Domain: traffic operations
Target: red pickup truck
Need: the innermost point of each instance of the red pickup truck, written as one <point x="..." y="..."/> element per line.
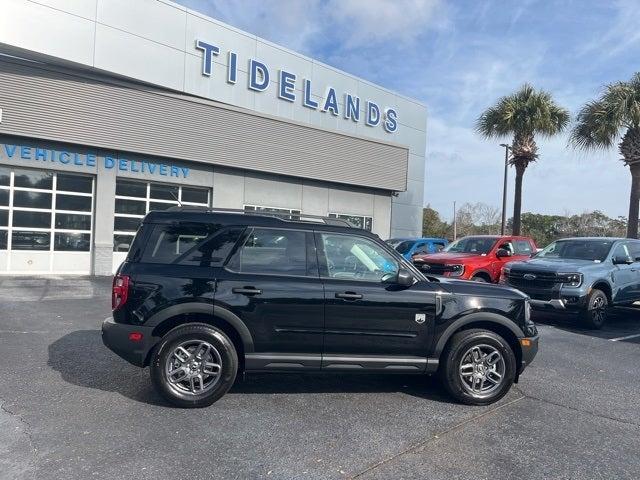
<point x="478" y="257"/>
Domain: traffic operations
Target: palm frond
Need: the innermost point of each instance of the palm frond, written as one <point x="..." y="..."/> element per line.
<point x="600" y="123"/>
<point x="525" y="112"/>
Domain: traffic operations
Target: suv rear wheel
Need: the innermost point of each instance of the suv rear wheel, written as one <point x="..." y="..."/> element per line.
<point x="194" y="365"/>
<point x="595" y="312"/>
<point x="478" y="367"/>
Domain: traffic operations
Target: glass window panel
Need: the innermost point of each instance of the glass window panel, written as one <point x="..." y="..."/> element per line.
<point x="5" y="176"/>
<point x="276" y="252"/>
<point x="33" y="179"/>
<point x="160" y="205"/>
<point x="25" y="240"/>
<point x="357" y="221"/>
<point x="132" y="207"/>
<point x="73" y="202"/>
<point x="72" y="242"/>
<point x="195" y="195"/>
<point x="172" y="243"/>
<point x="355" y="258"/>
<point x="74" y="183"/>
<point x="163" y="192"/>
<point x="31" y="199"/>
<point x="131" y="188"/>
<point x="70" y="221"/>
<point x="121" y="243"/>
<point x="31" y="219"/>
<point x="126" y="224"/>
<point x="4" y="218"/>
<point x="4" y="197"/>
<point x="3" y="239"/>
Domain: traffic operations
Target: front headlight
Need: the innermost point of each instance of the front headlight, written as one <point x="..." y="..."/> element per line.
<point x="570" y="279"/>
<point x="455" y="270"/>
<point x="530" y="329"/>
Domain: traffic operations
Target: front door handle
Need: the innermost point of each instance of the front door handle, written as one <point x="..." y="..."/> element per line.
<point x="349" y="295"/>
<point x="247" y="290"/>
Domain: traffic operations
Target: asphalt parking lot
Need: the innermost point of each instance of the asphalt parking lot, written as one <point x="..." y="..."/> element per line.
<point x="71" y="409"/>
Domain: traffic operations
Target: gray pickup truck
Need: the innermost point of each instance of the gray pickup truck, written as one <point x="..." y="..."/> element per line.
<point x="583" y="275"/>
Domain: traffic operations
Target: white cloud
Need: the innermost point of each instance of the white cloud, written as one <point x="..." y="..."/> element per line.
<point x="622" y="31"/>
<point x="297" y="24"/>
<point x="367" y="22"/>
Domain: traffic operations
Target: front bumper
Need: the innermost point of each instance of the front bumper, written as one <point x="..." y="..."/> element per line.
<point x="563" y="303"/>
<point x="115" y="336"/>
<point x="529" y="349"/>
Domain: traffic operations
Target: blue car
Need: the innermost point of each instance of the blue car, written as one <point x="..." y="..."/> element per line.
<point x="407" y="247"/>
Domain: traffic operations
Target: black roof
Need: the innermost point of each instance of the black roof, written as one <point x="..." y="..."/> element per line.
<point x="240" y="217"/>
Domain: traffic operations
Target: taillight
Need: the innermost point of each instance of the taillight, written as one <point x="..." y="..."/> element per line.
<point x="120" y="291"/>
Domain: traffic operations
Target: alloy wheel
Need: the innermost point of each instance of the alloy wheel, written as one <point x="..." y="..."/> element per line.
<point x="482" y="370"/>
<point x="194" y="367"/>
<point x="598" y="313"/>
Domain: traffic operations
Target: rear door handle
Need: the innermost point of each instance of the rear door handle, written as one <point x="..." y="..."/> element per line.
<point x="247" y="290"/>
<point x="349" y="295"/>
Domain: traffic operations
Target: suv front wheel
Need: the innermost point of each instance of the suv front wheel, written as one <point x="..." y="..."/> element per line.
<point x="194" y="365"/>
<point x="478" y="367"/>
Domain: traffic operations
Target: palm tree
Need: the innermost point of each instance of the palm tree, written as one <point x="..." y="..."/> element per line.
<point x="523" y="115"/>
<point x="600" y="123"/>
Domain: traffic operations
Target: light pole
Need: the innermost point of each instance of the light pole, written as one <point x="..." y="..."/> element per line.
<point x="504" y="188"/>
<point x="455" y="223"/>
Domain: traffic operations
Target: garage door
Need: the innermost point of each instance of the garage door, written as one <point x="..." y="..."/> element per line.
<point x="46" y="221"/>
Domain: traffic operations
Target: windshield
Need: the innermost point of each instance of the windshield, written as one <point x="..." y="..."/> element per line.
<point x="402" y="247"/>
<point x="594" y="250"/>
<point x="477" y="245"/>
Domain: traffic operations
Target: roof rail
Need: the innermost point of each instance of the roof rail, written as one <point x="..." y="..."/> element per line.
<point x="291" y="217"/>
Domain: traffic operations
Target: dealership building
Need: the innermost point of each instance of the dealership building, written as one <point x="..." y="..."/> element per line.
<point x="112" y="108"/>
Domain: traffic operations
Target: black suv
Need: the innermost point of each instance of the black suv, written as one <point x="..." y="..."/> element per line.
<point x="205" y="294"/>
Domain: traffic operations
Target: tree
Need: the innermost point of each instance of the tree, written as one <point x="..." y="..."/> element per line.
<point x="432" y="225"/>
<point x="522" y="115"/>
<point x="614" y="115"/>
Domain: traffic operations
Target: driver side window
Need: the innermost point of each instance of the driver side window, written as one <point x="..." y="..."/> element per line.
<point x="352" y="257"/>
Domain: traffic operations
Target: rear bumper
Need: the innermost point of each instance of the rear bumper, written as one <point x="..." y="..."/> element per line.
<point x="115" y="336"/>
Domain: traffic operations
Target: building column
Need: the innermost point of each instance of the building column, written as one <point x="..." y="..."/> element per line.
<point x="103" y="230"/>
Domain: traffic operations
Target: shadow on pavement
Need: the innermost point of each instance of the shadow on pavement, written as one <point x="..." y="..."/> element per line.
<point x="81" y="359"/>
<point x="622" y="322"/>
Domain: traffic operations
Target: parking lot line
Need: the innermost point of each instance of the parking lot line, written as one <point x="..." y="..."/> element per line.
<point x="635" y="335"/>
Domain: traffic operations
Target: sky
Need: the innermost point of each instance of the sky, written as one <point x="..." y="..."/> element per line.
<point x="458" y="58"/>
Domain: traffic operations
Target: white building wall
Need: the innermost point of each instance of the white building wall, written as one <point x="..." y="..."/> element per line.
<point x="154" y="41"/>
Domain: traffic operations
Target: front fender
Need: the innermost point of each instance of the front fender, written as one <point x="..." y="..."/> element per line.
<point x="479" y="317"/>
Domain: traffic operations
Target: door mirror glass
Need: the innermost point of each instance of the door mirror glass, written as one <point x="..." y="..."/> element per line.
<point x="622" y="260"/>
<point x="503" y="252"/>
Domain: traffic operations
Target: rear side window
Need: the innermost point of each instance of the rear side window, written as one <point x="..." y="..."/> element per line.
<point x="274" y="252"/>
<point x="523" y="247"/>
<point x="203" y="245"/>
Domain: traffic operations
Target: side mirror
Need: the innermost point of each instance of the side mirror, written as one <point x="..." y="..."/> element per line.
<point x="503" y="252"/>
<point x="620" y="260"/>
<point x="404" y="278"/>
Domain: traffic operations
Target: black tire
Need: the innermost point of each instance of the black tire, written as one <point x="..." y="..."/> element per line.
<point x="223" y="351"/>
<point x="594" y="315"/>
<point x="456" y="352"/>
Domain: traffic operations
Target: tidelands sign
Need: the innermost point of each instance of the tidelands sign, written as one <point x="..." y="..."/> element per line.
<point x="260" y="77"/>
